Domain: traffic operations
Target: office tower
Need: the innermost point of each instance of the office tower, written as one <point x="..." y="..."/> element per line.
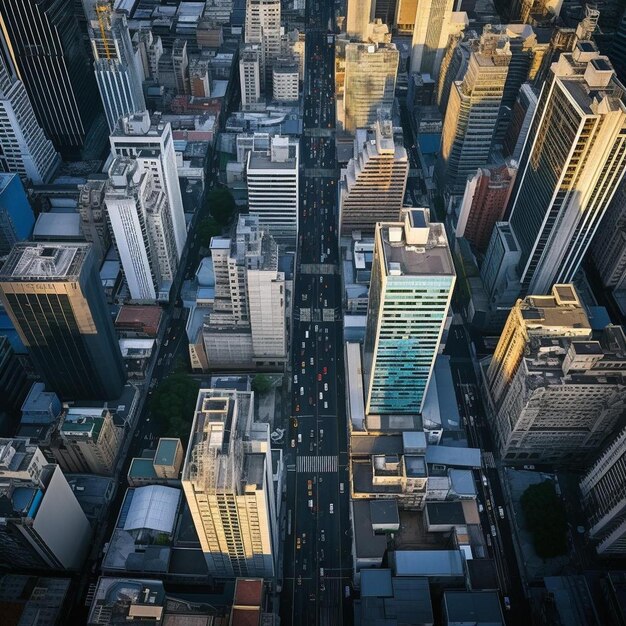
<point x="563" y="40"/>
<point x="24" y="148"/>
<point x="430" y="35"/>
<point x="14" y="383"/>
<point x="92" y="213"/>
<point x="499" y="272"/>
<point x="472" y="113"/>
<point x="263" y="28"/>
<point x="519" y="124"/>
<point x="153" y="139"/>
<point x="385" y="11"/>
<point x="410" y="292"/>
<point x="272" y="178"/>
<point x="484" y="201"/>
<point x="142" y="228"/>
<point x="89" y="441"/>
<point x="370" y="82"/>
<point x="16" y="215"/>
<point x="149" y="51"/>
<point x="250" y="75"/>
<point x="608" y="248"/>
<point x="199" y="77"/>
<point x="564" y="400"/>
<point x="180" y="65"/>
<point x="53" y="295"/>
<point x="44" y="43"/>
<point x="373" y="184"/>
<point x="43" y="526"/>
<point x="572" y="163"/>
<point x="285" y="80"/>
<point x="603" y="491"/>
<point x="246" y="326"/>
<point x="560" y="314"/>
<point x="404" y="20"/>
<point x="115" y="67"/>
<point x="617" y="50"/>
<point x="227" y="480"/>
<point x="536" y="10"/>
<point x="453" y="68"/>
<point x="358" y="16"/>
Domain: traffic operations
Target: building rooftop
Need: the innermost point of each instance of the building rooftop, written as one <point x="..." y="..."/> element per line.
<point x="415" y="247"/>
<point x="445" y="513"/>
<point x="31" y="262"/>
<point x="479" y="608"/>
<point x="439" y="563"/>
<point x="166" y="451"/>
<point x="453" y="456"/>
<point x="367" y="544"/>
<point x="58" y="226"/>
<point x="153" y="507"/>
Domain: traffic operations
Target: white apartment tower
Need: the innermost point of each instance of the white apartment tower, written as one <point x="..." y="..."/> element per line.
<point x="227" y="480"/>
<point x="573" y="161"/>
<point x="410" y="292"/>
<point x="472" y="112"/>
<point x="152" y="139"/>
<point x="250" y="75"/>
<point x="373" y="184"/>
<point x="430" y="35"/>
<point x="116" y="68"/>
<point x="370" y="82"/>
<point x="24" y="148"/>
<point x="142" y="229"/>
<point x="273" y="196"/>
<point x="263" y="27"/>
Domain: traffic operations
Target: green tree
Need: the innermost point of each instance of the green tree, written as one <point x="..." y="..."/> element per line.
<point x="545" y="517"/>
<point x="173" y="404"/>
<point x="206" y="229"/>
<point x="221" y="205"/>
<point x="261" y="384"/>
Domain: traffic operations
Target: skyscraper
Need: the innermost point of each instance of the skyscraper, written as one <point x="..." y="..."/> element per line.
<point x="370" y="82"/>
<point x="53" y="295"/>
<point x="571" y="165"/>
<point x="273" y="193"/>
<point x="250" y="75"/>
<point x="373" y="184"/>
<point x="472" y="112"/>
<point x="24" y="148"/>
<point x="227" y="480"/>
<point x="142" y="228"/>
<point x="152" y="139"/>
<point x="16" y="215"/>
<point x="263" y="27"/>
<point x="603" y="491"/>
<point x="411" y="288"/>
<point x="44" y="43"/>
<point x="430" y="35"/>
<point x="359" y="15"/>
<point x="558" y="315"/>
<point x="484" y="201"/>
<point x="117" y="73"/>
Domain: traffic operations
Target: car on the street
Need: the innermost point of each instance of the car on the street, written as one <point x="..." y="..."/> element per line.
<point x="501" y="512"/>
<point x="293" y="443"/>
<point x="332" y="508"/>
<point x="298" y="545"/>
<point x="493" y="530"/>
<point x="529" y="467"/>
<point x="507" y="603"/>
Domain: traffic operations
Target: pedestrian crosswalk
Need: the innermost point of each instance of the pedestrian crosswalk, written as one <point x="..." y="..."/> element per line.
<point x="489" y="460"/>
<point x="314" y="464"/>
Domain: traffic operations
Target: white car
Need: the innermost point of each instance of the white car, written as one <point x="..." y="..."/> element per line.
<point x="501" y="512"/>
<point x="325" y="386"/>
<point x="332" y="508"/>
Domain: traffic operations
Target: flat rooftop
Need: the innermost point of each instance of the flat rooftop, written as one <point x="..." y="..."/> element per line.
<point x="28" y="261"/>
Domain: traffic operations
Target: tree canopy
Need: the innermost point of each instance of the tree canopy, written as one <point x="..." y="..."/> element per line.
<point x="261" y="384"/>
<point x="545" y="517"/>
<point x="206" y="229"/>
<point x="221" y="205"/>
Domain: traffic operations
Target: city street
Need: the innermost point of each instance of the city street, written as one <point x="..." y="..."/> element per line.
<point x="317" y="561"/>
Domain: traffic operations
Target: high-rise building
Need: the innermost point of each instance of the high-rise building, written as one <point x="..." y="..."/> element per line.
<point x="558" y="315"/>
<point x="250" y="75"/>
<point x="617" y="51"/>
<point x="404" y="19"/>
<point x="373" y="184"/>
<point x="149" y="51"/>
<point x="484" y="201"/>
<point x="608" y="248"/>
<point x="564" y="400"/>
<point x="370" y="82"/>
<point x="430" y="35"/>
<point x="263" y="27"/>
<point x="115" y="66"/>
<point x="453" y="67"/>
<point x="519" y="123"/>
<point x="43" y="525"/>
<point x="54" y="297"/>
<point x="273" y="193"/>
<point x="16" y="215"/>
<point x="285" y="80"/>
<point x="227" y="480"/>
<point x="358" y="17"/>
<point x="246" y="325"/>
<point x="24" y="148"/>
<point x="93" y="214"/>
<point x="603" y="491"/>
<point x="14" y="383"/>
<point x="473" y="109"/>
<point x="152" y="138"/>
<point x="142" y="228"/>
<point x="410" y="291"/>
<point x="43" y="40"/>
<point x="571" y="165"/>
